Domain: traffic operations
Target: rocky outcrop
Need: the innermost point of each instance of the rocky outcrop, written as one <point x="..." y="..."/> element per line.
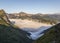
<point x="3" y="16"/>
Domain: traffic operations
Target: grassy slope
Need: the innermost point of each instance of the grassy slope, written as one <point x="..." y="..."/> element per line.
<point x="51" y="36"/>
<point x="10" y="34"/>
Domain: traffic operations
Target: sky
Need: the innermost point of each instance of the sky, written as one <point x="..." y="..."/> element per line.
<point x="30" y="6"/>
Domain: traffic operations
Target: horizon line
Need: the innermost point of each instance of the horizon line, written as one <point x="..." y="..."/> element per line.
<point x="28" y="12"/>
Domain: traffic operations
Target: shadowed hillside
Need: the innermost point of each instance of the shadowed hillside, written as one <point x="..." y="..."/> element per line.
<point x="52" y="35"/>
<point x="10" y="34"/>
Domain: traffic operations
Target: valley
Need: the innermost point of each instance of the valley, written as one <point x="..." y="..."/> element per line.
<point x="33" y="27"/>
<point x="28" y="29"/>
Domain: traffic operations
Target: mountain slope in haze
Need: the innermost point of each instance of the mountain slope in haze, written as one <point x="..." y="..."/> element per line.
<point x="53" y="16"/>
<point x="10" y="34"/>
<point x="52" y="35"/>
<point x="44" y="18"/>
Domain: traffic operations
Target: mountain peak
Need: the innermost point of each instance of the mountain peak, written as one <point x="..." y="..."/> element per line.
<point x="22" y="13"/>
<point x="2" y="12"/>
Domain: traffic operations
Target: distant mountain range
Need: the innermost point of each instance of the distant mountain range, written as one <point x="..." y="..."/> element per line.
<point x="45" y="18"/>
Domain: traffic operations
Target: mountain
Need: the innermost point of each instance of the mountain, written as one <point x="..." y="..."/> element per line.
<point x="11" y="34"/>
<point x="3" y="16"/>
<point x="51" y="35"/>
<point x="21" y="15"/>
<point x="44" y="18"/>
<point x="53" y="16"/>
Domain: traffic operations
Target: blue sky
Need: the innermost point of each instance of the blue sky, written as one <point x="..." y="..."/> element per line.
<point x="30" y="6"/>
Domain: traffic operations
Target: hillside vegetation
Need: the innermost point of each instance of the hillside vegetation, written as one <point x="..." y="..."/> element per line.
<point x="52" y="35"/>
<point x="10" y="34"/>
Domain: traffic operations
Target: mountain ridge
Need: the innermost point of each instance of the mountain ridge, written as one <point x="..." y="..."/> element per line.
<point x="51" y="19"/>
<point x="11" y="34"/>
<point x="51" y="35"/>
